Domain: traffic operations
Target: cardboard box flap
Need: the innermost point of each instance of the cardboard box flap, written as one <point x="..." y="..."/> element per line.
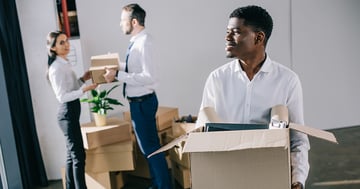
<point x="104" y="60"/>
<point x="170" y="144"/>
<point x="236" y="140"/>
<point x="103" y="67"/>
<point x="325" y="135"/>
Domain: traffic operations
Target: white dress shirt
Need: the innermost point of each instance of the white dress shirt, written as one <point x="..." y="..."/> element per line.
<point x="65" y="84"/>
<point x="236" y="99"/>
<point x="141" y="77"/>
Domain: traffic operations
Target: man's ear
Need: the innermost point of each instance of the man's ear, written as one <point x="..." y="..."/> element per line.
<point x="134" y="21"/>
<point x="260" y="37"/>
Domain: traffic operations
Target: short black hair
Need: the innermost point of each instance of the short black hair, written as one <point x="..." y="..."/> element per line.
<point x="256" y="17"/>
<point x="137" y="13"/>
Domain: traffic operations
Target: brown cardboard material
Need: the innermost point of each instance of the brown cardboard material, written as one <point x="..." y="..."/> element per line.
<point x="100" y="62"/>
<point x="229" y="159"/>
<point x="114" y="157"/>
<point x="178" y="156"/>
<point x="164" y="117"/>
<point x="116" y="130"/>
<point x="95" y="180"/>
<point x="142" y="167"/>
<point x="163" y="135"/>
<point x="179" y="128"/>
<point x="181" y="174"/>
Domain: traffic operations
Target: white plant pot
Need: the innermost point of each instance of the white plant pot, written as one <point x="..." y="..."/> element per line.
<point x="100" y="119"/>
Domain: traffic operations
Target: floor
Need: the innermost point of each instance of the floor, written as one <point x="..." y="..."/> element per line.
<point x="333" y="166"/>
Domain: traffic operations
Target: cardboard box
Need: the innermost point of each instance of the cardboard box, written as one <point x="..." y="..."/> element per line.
<point x="181" y="175"/>
<point x="178" y="156"/>
<point x="180" y="128"/>
<point x="114" y="157"/>
<point x="116" y="130"/>
<point x="106" y="180"/>
<point x="163" y="136"/>
<point x="247" y="158"/>
<point x="164" y="117"/>
<point x="118" y="181"/>
<point x="99" y="63"/>
<point x="142" y="167"/>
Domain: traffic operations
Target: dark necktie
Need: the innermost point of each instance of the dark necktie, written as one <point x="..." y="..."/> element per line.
<point x="126" y="64"/>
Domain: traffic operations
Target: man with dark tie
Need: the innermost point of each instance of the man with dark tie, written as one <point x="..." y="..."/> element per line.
<point x="139" y="78"/>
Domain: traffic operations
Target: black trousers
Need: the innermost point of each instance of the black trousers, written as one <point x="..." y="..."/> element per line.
<point x="68" y="119"/>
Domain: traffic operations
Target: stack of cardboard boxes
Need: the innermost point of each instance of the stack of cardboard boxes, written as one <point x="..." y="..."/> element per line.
<point x="164" y="119"/>
<point x="109" y="150"/>
<point x="180" y="162"/>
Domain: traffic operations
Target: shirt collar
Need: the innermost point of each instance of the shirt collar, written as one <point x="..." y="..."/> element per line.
<point x="61" y="60"/>
<point x="266" y="67"/>
<point x="141" y="33"/>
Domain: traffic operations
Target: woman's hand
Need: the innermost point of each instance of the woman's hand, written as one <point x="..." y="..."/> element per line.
<point x="86" y="76"/>
<point x="89" y="87"/>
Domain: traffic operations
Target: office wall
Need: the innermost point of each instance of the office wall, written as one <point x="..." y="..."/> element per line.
<point x="189" y="38"/>
<point x="190" y="43"/>
<point x="325" y="35"/>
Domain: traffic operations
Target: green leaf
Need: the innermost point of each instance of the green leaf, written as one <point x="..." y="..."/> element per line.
<point x="102" y="94"/>
<point x="94" y="93"/>
<point x="113" y="101"/>
<point x="84" y="100"/>
<point x="100" y="102"/>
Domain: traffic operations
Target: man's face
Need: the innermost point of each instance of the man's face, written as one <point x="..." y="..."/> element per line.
<point x="125" y="23"/>
<point x="240" y="39"/>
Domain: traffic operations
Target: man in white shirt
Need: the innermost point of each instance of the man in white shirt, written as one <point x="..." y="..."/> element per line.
<point x="139" y="77"/>
<point x="245" y="89"/>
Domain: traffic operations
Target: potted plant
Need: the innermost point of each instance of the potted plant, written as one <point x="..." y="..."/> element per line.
<point x="101" y="103"/>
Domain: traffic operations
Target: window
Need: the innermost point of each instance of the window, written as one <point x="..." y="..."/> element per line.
<point x="67" y="22"/>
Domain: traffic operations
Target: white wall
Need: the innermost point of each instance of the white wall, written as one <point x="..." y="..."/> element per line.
<point x="189" y="36"/>
<point x="326" y="42"/>
<point x="190" y="43"/>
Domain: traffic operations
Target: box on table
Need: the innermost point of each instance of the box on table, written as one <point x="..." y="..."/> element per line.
<point x="164" y="117"/>
<point x="113" y="157"/>
<point x="99" y="63"/>
<point x="229" y="159"/>
<point x="116" y="130"/>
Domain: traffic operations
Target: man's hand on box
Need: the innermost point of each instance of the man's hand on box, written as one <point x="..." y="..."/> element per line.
<point x="109" y="75"/>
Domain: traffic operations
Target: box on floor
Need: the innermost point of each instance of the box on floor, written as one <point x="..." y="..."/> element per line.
<point x="116" y="130"/>
<point x="105" y="180"/>
<point x="113" y="157"/>
<point x="181" y="174"/>
<point x="141" y="166"/>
